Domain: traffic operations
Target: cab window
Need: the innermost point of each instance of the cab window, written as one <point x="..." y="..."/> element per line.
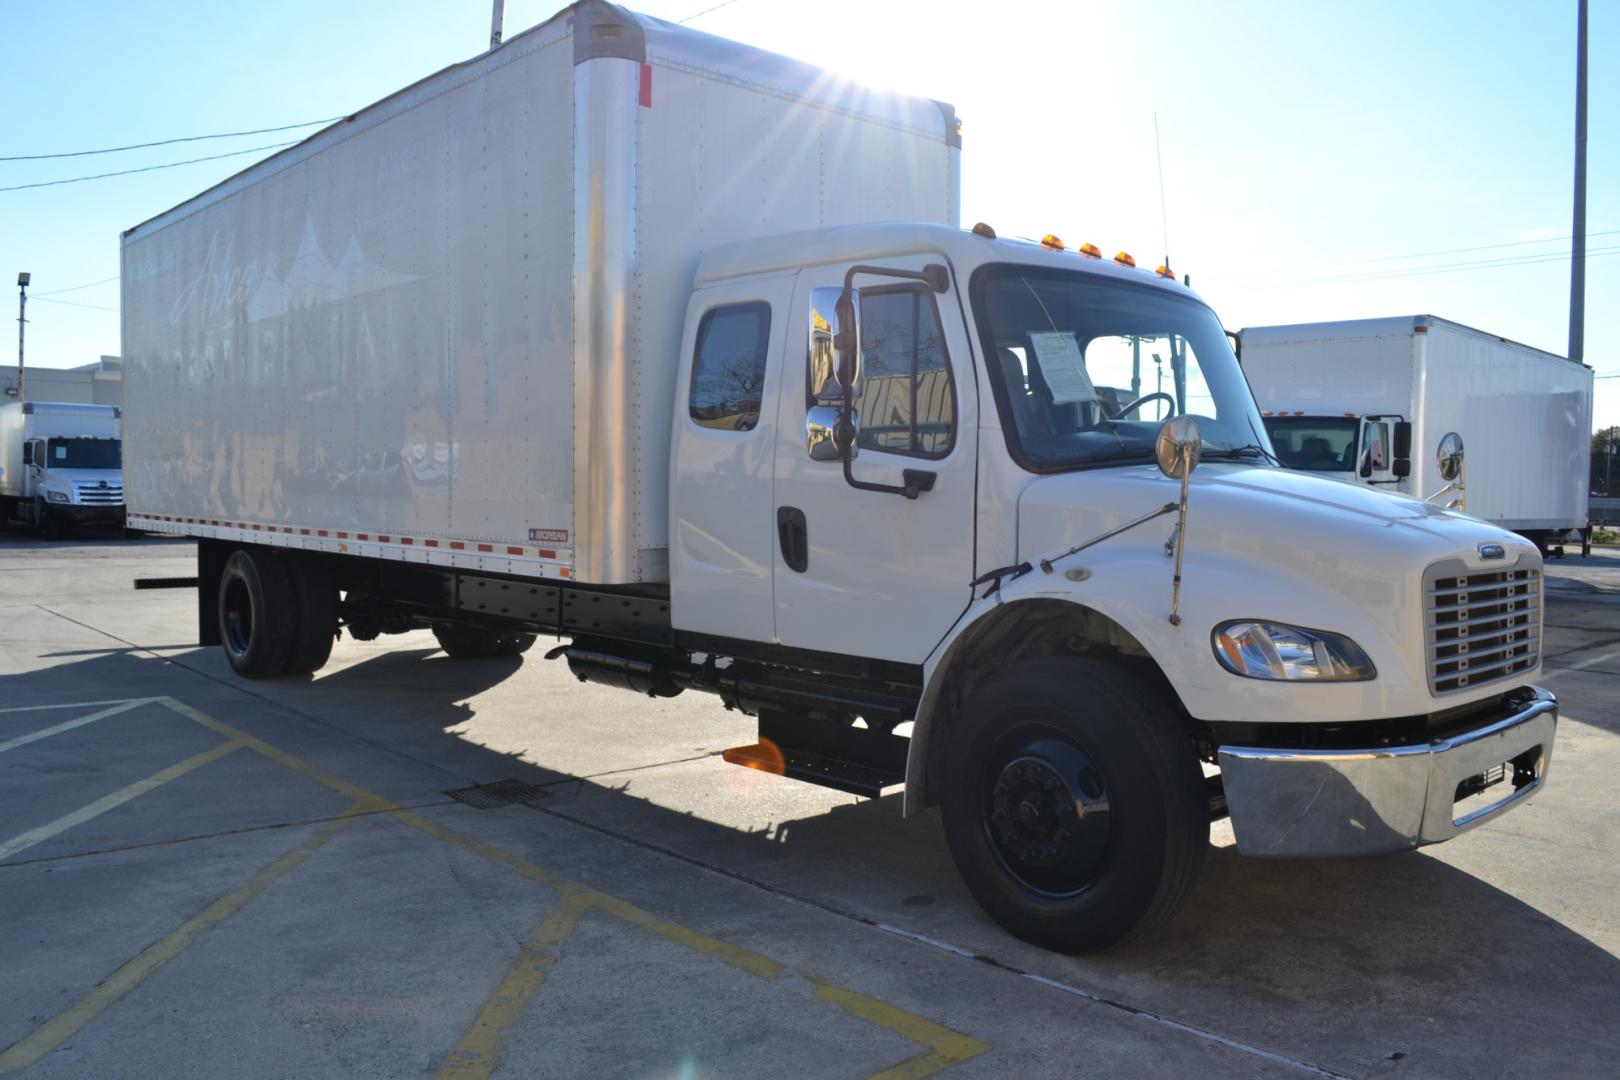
<point x="908" y="400"/>
<point x="728" y="371"/>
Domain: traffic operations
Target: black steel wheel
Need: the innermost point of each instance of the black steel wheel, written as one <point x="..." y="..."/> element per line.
<point x="257" y="613"/>
<point x="1047" y="811"/>
<point x="1074" y="804"/>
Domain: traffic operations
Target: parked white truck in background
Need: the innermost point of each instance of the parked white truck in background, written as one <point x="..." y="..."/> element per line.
<point x="61" y="465"/>
<point x="673" y="348"/>
<point x="1366" y="401"/>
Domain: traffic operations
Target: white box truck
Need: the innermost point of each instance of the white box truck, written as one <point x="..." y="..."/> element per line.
<point x="61" y="466"/>
<point x="1367" y="401"/>
<point x="606" y="334"/>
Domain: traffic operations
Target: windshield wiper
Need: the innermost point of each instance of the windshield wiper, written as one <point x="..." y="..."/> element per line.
<point x="1247" y="450"/>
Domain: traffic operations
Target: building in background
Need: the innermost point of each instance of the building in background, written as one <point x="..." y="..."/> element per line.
<point x="100" y="383"/>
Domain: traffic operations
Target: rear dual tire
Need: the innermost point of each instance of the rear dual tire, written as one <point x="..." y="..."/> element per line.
<point x="277" y="613"/>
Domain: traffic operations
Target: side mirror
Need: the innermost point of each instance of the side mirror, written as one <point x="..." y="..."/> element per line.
<point x="822" y="431"/>
<point x="1179" y="447"/>
<point x="829" y="361"/>
<point x="28" y="453"/>
<point x="1364" y="469"/>
<point x="1448" y="456"/>
<point x="847" y="342"/>
<point x="1402" y="465"/>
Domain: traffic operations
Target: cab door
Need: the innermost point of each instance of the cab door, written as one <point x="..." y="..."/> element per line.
<point x="723" y="450"/>
<point x="873" y="573"/>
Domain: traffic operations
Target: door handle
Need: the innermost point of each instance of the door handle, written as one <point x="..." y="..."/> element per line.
<point x="794" y="534"/>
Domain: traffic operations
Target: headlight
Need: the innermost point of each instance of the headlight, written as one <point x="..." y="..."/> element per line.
<point x="1259" y="650"/>
<point x="56" y="496"/>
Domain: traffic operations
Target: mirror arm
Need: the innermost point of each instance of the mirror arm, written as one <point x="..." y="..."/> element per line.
<point x="937" y="278"/>
<point x="1047" y="563"/>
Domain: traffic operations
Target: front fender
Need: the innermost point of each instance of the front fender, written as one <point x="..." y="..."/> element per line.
<point x="1129" y="584"/>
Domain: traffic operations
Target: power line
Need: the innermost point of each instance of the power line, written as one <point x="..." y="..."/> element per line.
<point x="1449" y="268"/>
<point x="150" y="168"/>
<point x="1418" y="255"/>
<point x="75" y="288"/>
<point x="705" y="11"/>
<point x="70" y="303"/>
<point x="169" y="142"/>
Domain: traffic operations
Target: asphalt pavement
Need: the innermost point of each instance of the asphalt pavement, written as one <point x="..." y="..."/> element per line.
<point x="415" y="866"/>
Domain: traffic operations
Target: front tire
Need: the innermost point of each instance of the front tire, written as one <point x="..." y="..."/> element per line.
<point x="1074" y="804"/>
<point x="258" y="614"/>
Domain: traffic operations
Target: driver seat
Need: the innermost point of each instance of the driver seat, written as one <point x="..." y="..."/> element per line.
<point x="1033" y="421"/>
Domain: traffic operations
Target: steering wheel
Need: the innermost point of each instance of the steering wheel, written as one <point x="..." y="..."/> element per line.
<point x="1143" y="400"/>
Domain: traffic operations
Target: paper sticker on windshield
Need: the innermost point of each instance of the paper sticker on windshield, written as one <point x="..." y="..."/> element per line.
<point x="1063" y="367"/>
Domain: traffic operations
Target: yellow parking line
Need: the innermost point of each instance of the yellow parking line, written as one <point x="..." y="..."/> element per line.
<point x="113" y="801"/>
<point x="946" y="1047"/>
<point x="69" y="725"/>
<point x="478" y="1052"/>
<point x="53" y="1033"/>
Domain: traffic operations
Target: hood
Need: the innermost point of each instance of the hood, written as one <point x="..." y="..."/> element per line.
<point x="1268" y="544"/>
<point x="1260" y="512"/>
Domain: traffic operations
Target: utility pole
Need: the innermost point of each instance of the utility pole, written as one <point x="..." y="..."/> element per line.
<point x="496" y="17"/>
<point x="1577" y="263"/>
<point x="22" y="322"/>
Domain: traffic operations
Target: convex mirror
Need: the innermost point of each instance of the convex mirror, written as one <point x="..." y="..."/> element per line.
<point x="1179" y="446"/>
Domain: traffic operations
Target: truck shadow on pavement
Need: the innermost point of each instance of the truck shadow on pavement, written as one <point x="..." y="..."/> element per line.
<point x="1352" y="964"/>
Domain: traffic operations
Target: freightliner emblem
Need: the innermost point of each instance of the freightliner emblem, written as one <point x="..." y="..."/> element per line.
<point x="1492" y="551"/>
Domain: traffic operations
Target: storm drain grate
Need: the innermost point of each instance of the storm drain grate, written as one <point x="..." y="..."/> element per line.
<point x="499" y="793"/>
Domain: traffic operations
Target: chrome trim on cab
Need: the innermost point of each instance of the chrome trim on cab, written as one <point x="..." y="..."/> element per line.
<point x="1328" y="803"/>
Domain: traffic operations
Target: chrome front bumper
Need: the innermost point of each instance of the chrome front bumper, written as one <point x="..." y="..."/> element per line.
<point x="1328" y="803"/>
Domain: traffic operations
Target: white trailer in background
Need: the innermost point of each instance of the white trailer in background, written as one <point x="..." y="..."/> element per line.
<point x="61" y="465"/>
<point x="1366" y="401"/>
<point x="603" y="334"/>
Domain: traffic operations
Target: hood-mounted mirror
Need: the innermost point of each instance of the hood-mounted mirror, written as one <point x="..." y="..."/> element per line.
<point x="1178" y="448"/>
<point x="1448" y="460"/>
<point x="1449" y="456"/>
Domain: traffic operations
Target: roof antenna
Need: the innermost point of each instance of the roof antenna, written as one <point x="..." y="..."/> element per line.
<point x="1164" y="219"/>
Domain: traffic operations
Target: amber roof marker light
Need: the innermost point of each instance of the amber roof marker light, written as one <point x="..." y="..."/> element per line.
<point x="1124" y="259"/>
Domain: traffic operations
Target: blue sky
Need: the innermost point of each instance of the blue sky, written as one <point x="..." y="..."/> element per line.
<point x="1308" y="147"/>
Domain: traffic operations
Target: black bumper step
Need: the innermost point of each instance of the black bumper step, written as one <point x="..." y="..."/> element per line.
<point x="828" y="772"/>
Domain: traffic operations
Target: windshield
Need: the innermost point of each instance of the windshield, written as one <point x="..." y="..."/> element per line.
<point x="1091" y="368"/>
<point x="1318" y="443"/>
<point x="84" y="454"/>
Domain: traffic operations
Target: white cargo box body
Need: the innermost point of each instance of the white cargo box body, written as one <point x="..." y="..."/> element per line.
<point x="446" y="329"/>
<point x="1525" y="415"/>
<point x="24" y="420"/>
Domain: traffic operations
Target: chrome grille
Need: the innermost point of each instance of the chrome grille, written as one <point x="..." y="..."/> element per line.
<point x="1481" y="626"/>
<point x="96" y="495"/>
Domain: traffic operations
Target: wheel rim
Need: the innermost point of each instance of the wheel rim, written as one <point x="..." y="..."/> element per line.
<point x="238" y="609"/>
<point x="1047" y="812"/>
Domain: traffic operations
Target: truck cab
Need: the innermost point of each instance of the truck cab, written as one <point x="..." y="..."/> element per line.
<point x="62" y="466"/>
<point x="931" y="461"/>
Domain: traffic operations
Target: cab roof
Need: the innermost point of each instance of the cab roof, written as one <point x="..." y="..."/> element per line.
<point x="895" y="239"/>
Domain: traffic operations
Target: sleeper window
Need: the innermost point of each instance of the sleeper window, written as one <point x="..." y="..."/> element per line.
<point x="907" y="403"/>
<point x="728" y="372"/>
